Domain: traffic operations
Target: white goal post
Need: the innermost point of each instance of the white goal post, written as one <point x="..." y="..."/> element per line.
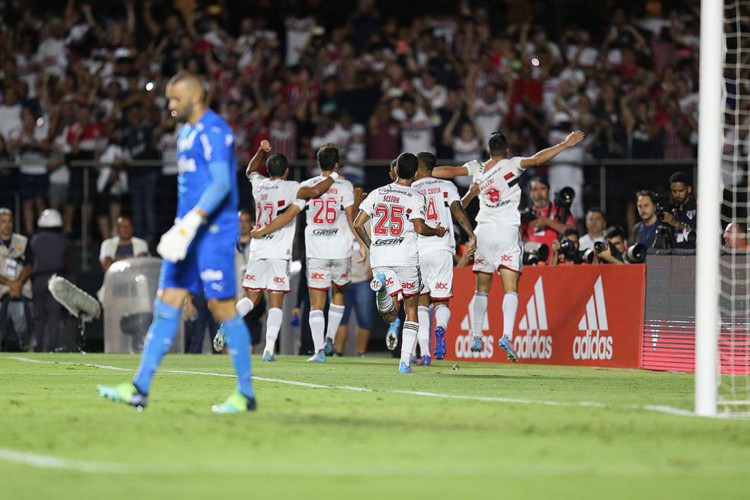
<point x="707" y="276"/>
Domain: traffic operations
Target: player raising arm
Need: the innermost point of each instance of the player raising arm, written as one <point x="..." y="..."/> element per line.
<point x="271" y="247"/>
<point x="499" y="247"/>
<point x="398" y="213"/>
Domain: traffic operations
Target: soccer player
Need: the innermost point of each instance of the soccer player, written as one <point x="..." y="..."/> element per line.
<point x="398" y="213"/>
<point x="436" y="254"/>
<point x="199" y="249"/>
<point x="277" y="203"/>
<point x="329" y="239"/>
<point x="499" y="247"/>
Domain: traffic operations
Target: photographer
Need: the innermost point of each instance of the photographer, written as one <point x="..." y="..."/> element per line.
<point x="683" y="213"/>
<point x="565" y="250"/>
<point x="650" y="232"/>
<point x="596" y="221"/>
<point x="544" y="221"/>
<point x="611" y="250"/>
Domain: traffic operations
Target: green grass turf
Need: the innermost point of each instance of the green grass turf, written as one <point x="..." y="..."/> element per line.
<point x="332" y="443"/>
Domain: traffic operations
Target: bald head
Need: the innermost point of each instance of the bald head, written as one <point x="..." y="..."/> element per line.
<point x="186" y="96"/>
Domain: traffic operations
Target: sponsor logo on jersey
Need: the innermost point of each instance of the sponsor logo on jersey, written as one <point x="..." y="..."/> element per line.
<point x="325" y="232"/>
<point x="506" y="258"/>
<point x="317" y="276"/>
<point x="186" y="165"/>
<point x="212" y="275"/>
<point x="533" y="344"/>
<point x="441" y="286"/>
<point x="250" y="277"/>
<point x="390" y="242"/>
<point x="592" y="344"/>
<point x="406" y="285"/>
<point x="389" y="282"/>
<point x="279" y="279"/>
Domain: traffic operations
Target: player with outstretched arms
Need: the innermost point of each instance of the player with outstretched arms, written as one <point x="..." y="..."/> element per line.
<point x="198" y="251"/>
<point x="277" y="203"/>
<point x="499" y="247"/>
<point x="436" y="254"/>
<point x="398" y="213"/>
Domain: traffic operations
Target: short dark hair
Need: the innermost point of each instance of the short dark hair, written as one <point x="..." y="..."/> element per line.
<point x="682" y="177"/>
<point x="650" y="194"/>
<point x="566" y="233"/>
<point x="497" y="144"/>
<point x="407" y="165"/>
<point x="277" y="165"/>
<point x="394" y="164"/>
<point x="597" y="210"/>
<point x="328" y="156"/>
<point x="540" y="180"/>
<point x="614" y="232"/>
<point x="187" y="75"/>
<point x="427" y="160"/>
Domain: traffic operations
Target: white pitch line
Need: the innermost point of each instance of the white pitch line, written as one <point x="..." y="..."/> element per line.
<point x="50" y="462"/>
<point x="490" y="399"/>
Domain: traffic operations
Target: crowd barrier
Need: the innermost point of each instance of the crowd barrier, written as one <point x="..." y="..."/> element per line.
<point x="588" y="315"/>
<point x="634" y="316"/>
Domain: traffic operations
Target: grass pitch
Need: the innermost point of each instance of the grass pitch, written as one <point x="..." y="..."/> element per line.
<point x="354" y="428"/>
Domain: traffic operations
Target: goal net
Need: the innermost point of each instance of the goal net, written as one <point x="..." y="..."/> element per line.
<point x="723" y="304"/>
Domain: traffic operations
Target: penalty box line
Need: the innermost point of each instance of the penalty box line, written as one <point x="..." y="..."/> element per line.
<point x="487" y="399"/>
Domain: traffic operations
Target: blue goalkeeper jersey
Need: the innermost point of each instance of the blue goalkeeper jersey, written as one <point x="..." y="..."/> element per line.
<point x="209" y="140"/>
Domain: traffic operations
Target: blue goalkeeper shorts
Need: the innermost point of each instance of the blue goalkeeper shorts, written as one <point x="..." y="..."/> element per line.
<point x="209" y="263"/>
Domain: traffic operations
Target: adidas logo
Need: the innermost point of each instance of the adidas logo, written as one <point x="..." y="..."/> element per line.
<point x="532" y="344"/>
<point x="463" y="342"/>
<point x="592" y="345"/>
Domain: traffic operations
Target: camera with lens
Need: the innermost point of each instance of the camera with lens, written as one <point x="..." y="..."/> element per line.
<point x="534" y="253"/>
<point x="528" y="215"/>
<point x="564" y="198"/>
<point x="599" y="246"/>
<point x="569" y="251"/>
<point x="634" y="254"/>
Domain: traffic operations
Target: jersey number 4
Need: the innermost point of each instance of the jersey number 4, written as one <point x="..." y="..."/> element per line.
<point x="326" y="211"/>
<point x="431" y="214"/>
<point x="390" y="220"/>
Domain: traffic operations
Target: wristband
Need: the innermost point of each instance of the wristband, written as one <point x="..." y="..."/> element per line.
<point x="334" y="176"/>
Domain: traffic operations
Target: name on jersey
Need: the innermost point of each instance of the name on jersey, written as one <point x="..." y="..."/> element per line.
<point x="387" y="243"/>
<point x="391" y="199"/>
<point x="435" y="190"/>
<point x="325" y="232"/>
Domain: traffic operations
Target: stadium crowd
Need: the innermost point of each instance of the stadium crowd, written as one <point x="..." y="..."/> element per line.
<point x="84" y="114"/>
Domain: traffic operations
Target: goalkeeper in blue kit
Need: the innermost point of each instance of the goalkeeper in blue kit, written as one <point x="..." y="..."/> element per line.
<point x="198" y="251"/>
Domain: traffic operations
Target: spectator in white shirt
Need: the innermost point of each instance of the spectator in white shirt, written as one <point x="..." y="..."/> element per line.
<point x="596" y="221"/>
<point x="123" y="246"/>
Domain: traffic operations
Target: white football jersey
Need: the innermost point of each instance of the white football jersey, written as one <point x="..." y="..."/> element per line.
<point x="499" y="192"/>
<point x="394" y="241"/>
<point x="272" y="198"/>
<point x="439" y="194"/>
<point x="327" y="235"/>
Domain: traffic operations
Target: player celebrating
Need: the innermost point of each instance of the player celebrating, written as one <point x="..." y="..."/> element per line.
<point x="436" y="254"/>
<point x="329" y="239"/>
<point x="199" y="249"/>
<point x="398" y="211"/>
<point x="499" y="246"/>
<point x="271" y="246"/>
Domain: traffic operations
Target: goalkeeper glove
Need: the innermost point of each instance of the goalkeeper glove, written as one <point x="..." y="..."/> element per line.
<point x="175" y="242"/>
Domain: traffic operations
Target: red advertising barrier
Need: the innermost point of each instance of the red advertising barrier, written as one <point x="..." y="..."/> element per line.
<point x="586" y="315"/>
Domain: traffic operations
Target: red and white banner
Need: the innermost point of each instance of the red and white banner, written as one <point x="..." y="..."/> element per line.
<point x="588" y="315"/>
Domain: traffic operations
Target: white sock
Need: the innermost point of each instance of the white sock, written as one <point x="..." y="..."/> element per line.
<point x="384" y="301"/>
<point x="423" y="336"/>
<point x="273" y="325"/>
<point x="335" y="313"/>
<point x="317" y="325"/>
<point x="408" y="339"/>
<point x="442" y="315"/>
<point x="480" y="309"/>
<point x="244" y="306"/>
<point x="510" y="306"/>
